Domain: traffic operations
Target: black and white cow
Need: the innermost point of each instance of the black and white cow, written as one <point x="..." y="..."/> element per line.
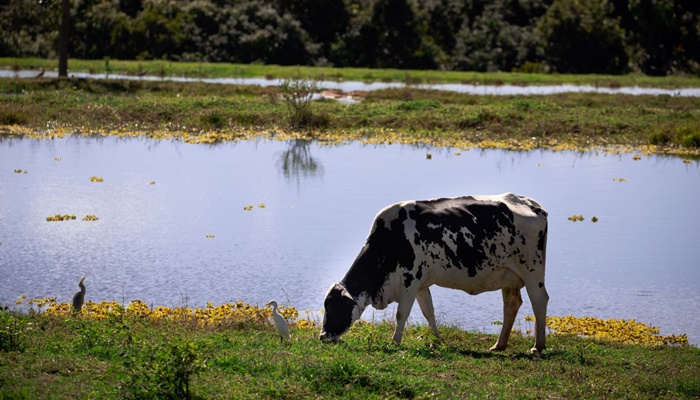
<point x="475" y="244"/>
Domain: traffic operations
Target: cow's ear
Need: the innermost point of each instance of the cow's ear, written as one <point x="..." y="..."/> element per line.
<point x="349" y="300"/>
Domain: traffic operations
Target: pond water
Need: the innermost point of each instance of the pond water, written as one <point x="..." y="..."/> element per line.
<point x="160" y="200"/>
<point x="350" y="86"/>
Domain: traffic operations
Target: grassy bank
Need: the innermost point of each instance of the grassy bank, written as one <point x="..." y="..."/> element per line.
<point x="225" y="70"/>
<point x="236" y="353"/>
<point x="200" y="112"/>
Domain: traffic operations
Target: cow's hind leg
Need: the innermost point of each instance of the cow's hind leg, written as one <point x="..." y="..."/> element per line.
<point x="511" y="304"/>
<point x="425" y="301"/>
<point x="539" y="298"/>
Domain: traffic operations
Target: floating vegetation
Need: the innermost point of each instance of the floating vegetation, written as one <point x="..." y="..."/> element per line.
<point x="261" y="205"/>
<point x="377" y="135"/>
<point x="152" y="182"/>
<point x="57" y="158"/>
<point x="223" y="315"/>
<point x="637" y="157"/>
<point x="210" y="236"/>
<point x="687" y="161"/>
<point x="90" y="217"/>
<point x="576" y="218"/>
<point x="20" y="171"/>
<point x="428" y="156"/>
<point x="618" y="330"/>
<point x="594" y="219"/>
<point x="620" y="179"/>
<point x="96" y="179"/>
<point x="59" y="217"/>
<point x="248" y="208"/>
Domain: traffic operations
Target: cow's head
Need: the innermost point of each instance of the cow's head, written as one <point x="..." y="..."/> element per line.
<point x="341" y="310"/>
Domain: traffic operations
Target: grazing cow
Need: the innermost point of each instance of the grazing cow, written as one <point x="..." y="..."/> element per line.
<point x="475" y="244"/>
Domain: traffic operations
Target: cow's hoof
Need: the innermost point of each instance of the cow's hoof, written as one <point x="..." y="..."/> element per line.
<point x="496" y="347"/>
<point x="535" y="350"/>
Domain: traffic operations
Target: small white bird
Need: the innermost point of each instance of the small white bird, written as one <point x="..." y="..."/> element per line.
<point x="280" y="322"/>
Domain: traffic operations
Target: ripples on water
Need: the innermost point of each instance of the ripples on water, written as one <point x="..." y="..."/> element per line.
<point x="639" y="261"/>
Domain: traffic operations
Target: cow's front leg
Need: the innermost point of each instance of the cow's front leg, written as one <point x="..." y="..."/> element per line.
<point x="402" y="312"/>
<point x="511" y="304"/>
<point x="425" y="301"/>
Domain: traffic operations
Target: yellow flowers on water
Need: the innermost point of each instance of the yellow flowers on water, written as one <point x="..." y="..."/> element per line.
<point x="620" y="179"/>
<point x="68" y="217"/>
<point x="617" y="330"/>
<point x="20" y="171"/>
<point x="637" y="157"/>
<point x="152" y="182"/>
<point x="428" y="156"/>
<point x="226" y="314"/>
<point x="594" y="219"/>
<point x="261" y="205"/>
<point x="96" y="179"/>
<point x="248" y="208"/>
<point x="575" y="218"/>
<point x="210" y="236"/>
<point x="57" y="158"/>
<point x="59" y="217"/>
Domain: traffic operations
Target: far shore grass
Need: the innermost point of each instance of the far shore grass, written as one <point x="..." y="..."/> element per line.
<point x="209" y="113"/>
<point x="226" y="70"/>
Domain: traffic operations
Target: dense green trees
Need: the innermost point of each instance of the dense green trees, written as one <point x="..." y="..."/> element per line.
<point x="656" y="37"/>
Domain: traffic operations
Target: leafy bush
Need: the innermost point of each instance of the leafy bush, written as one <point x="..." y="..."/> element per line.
<point x="594" y="41"/>
<point x="660" y="138"/>
<point x="297" y="94"/>
<point x="692" y="140"/>
<point x="11" y="338"/>
<point x="161" y="370"/>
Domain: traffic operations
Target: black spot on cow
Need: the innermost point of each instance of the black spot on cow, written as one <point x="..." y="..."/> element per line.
<point x="407" y="279"/>
<point x="386" y="249"/>
<point x="541" y="284"/>
<point x="483" y="220"/>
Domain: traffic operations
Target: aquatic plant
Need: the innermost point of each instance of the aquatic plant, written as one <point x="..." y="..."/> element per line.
<point x="59" y="217"/>
<point x="618" y="330"/>
<point x="221" y="315"/>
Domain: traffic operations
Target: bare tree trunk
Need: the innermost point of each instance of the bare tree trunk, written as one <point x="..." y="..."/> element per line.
<point x="63" y="39"/>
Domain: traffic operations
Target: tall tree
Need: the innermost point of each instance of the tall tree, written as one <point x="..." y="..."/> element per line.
<point x="581" y="37"/>
<point x="63" y="39"/>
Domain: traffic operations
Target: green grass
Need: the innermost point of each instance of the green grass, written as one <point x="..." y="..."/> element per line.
<point x="73" y="357"/>
<point x="224" y="70"/>
<point x="653" y="124"/>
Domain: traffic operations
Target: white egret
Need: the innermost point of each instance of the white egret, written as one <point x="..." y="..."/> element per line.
<point x="280" y="322"/>
<point x="79" y="297"/>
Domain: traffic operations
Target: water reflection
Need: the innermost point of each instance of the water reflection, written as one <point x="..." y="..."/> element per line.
<point x="150" y="243"/>
<point x="296" y="162"/>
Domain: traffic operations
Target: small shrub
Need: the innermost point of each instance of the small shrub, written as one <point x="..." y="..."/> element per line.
<point x="161" y="370"/>
<point x="10" y="117"/>
<point x="213" y="120"/>
<point x="297" y="94"/>
<point x="415" y="105"/>
<point x="11" y="338"/>
<point x="692" y="140"/>
<point x="660" y="138"/>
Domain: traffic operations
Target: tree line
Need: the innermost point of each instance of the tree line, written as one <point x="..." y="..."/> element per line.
<point x="655" y="37"/>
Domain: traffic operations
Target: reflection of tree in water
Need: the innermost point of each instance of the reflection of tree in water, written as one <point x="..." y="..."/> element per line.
<point x="297" y="161"/>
